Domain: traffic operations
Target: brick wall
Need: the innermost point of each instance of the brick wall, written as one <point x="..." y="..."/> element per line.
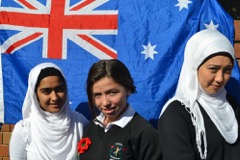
<point x="237" y="39"/>
<point x="5" y="132"/>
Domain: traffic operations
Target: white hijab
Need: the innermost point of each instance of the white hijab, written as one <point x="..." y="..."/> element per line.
<point x="53" y="136"/>
<point x="198" y="48"/>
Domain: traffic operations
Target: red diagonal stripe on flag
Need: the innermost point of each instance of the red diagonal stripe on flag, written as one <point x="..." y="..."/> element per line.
<point x="99" y="46"/>
<point x="28" y="5"/>
<point x="23" y="41"/>
<point x="82" y="5"/>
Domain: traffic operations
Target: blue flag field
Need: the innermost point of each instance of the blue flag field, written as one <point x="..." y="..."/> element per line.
<point x="148" y="36"/>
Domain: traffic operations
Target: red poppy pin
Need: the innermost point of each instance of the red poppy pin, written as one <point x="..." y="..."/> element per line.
<point x="83" y="145"/>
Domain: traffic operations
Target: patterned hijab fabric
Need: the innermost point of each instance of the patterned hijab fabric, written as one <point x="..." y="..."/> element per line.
<point x="53" y="135"/>
<point x="200" y="46"/>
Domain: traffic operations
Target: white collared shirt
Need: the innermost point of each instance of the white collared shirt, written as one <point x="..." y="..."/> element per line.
<point x="124" y="119"/>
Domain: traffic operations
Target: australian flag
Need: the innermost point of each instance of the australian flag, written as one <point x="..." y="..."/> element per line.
<point x="148" y="36"/>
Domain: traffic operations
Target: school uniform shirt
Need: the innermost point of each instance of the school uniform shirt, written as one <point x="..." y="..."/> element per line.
<point x="175" y="127"/>
<point x="129" y="138"/>
<point x="205" y="126"/>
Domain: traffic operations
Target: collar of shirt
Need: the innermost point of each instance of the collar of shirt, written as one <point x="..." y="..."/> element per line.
<point x="124" y="119"/>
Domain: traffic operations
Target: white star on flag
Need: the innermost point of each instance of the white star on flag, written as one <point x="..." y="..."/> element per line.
<point x="149" y="51"/>
<point x="183" y="4"/>
<point x="211" y="26"/>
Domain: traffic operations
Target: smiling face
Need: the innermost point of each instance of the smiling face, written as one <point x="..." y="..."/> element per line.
<point x="110" y="98"/>
<point x="51" y="93"/>
<point x="215" y="73"/>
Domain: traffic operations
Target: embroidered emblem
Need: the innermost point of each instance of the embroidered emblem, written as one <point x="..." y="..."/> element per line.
<point x="116" y="151"/>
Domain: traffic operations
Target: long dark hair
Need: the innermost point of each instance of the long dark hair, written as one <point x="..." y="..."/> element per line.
<point x="108" y="68"/>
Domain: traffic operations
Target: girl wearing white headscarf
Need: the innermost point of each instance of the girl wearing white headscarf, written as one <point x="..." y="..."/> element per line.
<point x="45" y="135"/>
<point x="196" y="123"/>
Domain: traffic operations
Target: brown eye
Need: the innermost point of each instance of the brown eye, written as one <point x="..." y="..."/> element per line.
<point x="228" y="70"/>
<point x="46" y="91"/>
<point x="96" y="95"/>
<point x="60" y="89"/>
<point x="214" y="69"/>
<point x="113" y="92"/>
